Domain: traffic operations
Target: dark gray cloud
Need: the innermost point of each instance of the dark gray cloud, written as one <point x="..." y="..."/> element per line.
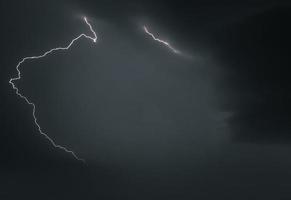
<point x="135" y="100"/>
<point x="256" y="61"/>
<point x="150" y="123"/>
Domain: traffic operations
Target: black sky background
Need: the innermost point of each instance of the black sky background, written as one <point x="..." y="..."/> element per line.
<point x="151" y="125"/>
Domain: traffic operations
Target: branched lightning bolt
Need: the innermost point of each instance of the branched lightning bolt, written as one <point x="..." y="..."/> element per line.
<point x="18" y="77"/>
<point x="167" y="44"/>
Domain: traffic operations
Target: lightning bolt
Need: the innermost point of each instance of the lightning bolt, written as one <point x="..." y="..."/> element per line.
<point x="18" y="77"/>
<point x="167" y="44"/>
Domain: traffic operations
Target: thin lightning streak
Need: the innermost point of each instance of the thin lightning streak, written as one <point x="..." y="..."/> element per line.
<point x="18" y="77"/>
<point x="167" y="44"/>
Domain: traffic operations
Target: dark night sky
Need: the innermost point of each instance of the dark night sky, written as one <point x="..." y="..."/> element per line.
<point x="151" y="124"/>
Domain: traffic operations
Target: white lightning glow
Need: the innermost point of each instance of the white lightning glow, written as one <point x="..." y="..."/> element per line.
<point x="18" y="77"/>
<point x="167" y="44"/>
